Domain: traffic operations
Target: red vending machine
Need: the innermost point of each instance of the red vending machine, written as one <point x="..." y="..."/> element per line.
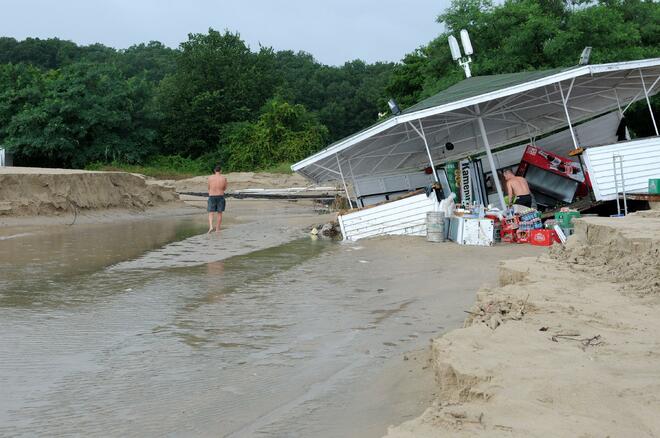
<point x="552" y="178"/>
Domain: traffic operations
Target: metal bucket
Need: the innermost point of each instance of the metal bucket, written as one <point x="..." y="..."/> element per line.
<point x="435" y="226"/>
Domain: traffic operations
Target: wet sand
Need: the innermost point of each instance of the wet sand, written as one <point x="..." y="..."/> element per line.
<point x="148" y="327"/>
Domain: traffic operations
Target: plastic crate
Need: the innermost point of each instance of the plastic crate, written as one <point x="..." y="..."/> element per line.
<point x="511" y="223"/>
<point x="654" y="186"/>
<point x="497" y="231"/>
<point x="565" y="218"/>
<point x="522" y="236"/>
<point x="508" y="236"/>
<point x="543" y="237"/>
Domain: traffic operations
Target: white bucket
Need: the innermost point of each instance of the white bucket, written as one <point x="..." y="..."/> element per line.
<point x="435" y="226"/>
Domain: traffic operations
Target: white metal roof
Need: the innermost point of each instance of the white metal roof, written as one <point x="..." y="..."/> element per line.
<point x="514" y="107"/>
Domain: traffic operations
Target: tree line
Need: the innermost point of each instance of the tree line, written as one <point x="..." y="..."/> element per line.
<point x="214" y="99"/>
<point x="520" y="35"/>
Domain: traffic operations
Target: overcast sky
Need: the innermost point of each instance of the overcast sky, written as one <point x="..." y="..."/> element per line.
<point x="334" y="31"/>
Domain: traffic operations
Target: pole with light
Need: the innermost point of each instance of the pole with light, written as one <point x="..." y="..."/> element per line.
<point x="464" y="61"/>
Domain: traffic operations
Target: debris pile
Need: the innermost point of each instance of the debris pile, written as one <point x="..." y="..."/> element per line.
<point x="330" y="230"/>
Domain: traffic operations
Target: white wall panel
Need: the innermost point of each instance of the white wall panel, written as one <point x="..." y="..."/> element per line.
<point x="401" y="217"/>
<point x="641" y="162"/>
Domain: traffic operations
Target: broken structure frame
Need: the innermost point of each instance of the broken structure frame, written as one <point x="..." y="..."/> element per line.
<point x="520" y="110"/>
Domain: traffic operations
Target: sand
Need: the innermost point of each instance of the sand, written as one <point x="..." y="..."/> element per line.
<point x="566" y="346"/>
<point x="37" y="191"/>
<point x="243" y="180"/>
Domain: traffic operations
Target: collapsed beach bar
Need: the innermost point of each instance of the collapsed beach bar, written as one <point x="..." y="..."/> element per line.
<point x="563" y="130"/>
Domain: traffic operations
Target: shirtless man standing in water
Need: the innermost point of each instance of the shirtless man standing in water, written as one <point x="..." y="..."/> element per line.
<point x="216" y="202"/>
<point x="517" y="186"/>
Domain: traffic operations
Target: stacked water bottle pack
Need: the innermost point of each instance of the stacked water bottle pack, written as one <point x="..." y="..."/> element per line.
<point x="530" y="220"/>
<point x="520" y="224"/>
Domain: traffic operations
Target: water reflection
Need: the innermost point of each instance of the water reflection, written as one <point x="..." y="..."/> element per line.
<point x="247" y="276"/>
<point x="86" y="347"/>
<point x="215" y="269"/>
<point x="64" y="265"/>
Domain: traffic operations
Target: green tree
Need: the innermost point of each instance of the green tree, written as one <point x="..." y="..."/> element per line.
<point x="611" y="29"/>
<point x="87" y="112"/>
<point x="283" y="133"/>
<point x="153" y="60"/>
<point x="218" y="80"/>
<point x="519" y="35"/>
<point x="51" y="53"/>
<point x="21" y="86"/>
<point x="346" y="98"/>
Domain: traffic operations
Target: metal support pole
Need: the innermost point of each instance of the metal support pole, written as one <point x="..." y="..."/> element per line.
<point x="618" y="158"/>
<point x="623" y="189"/>
<point x="618" y="102"/>
<point x="355" y="190"/>
<point x="420" y="132"/>
<point x="648" y="102"/>
<point x="489" y="154"/>
<point x="564" y="100"/>
<point x="616" y="186"/>
<point x="348" y="197"/>
<point x="621" y="116"/>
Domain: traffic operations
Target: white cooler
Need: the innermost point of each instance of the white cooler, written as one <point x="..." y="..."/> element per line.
<point x="471" y="231"/>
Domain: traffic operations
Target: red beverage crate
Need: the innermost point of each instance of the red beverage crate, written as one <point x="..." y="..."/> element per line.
<point x="543" y="237"/>
<point x="522" y="236"/>
<point x="508" y="236"/>
<point x="511" y="223"/>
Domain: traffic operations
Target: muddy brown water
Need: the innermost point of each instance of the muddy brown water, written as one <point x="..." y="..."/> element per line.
<point x="151" y="328"/>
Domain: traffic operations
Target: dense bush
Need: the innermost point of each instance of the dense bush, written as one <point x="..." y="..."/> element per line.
<point x="283" y="133"/>
<point x="80" y="113"/>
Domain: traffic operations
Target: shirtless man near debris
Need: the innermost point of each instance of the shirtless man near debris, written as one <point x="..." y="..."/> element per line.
<point x="517" y="186"/>
<point x="216" y="202"/>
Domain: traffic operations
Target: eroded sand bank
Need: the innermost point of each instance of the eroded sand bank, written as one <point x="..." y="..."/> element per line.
<point x="566" y="346"/>
<point x="36" y="191"/>
<point x="243" y="180"/>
